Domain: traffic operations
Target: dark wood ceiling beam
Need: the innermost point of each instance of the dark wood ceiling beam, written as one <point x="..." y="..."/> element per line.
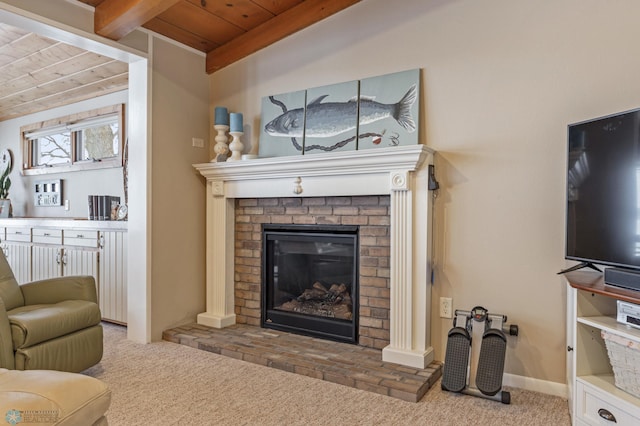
<point x="116" y="18"/>
<point x="295" y="19"/>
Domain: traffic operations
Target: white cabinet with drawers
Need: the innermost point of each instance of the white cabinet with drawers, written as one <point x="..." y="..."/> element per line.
<point x="591" y="309"/>
<point x="62" y="252"/>
<point x="49" y="249"/>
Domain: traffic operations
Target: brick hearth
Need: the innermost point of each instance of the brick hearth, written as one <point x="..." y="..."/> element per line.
<point x="359" y="366"/>
<point x="370" y="213"/>
<point x="350" y="365"/>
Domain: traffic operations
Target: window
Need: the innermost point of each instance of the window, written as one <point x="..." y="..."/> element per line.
<point x="84" y="141"/>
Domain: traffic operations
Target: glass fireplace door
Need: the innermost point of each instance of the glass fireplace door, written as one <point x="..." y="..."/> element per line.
<point x="310" y="280"/>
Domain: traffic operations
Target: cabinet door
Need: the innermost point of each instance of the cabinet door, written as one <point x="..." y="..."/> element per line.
<point x="113" y="276"/>
<point x="80" y="262"/>
<point x="19" y="258"/>
<point x="46" y="262"/>
<point x="52" y="262"/>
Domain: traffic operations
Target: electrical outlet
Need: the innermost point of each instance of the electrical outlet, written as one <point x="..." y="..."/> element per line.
<point x="446" y="307"/>
<point x="197" y="142"/>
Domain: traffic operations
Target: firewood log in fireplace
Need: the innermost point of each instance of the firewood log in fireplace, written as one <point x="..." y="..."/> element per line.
<point x="334" y="302"/>
<point x="319" y="292"/>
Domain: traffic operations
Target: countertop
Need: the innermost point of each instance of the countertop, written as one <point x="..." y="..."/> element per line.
<point x="65" y="223"/>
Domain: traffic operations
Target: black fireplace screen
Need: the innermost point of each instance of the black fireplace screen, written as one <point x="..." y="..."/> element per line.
<point x="310" y="276"/>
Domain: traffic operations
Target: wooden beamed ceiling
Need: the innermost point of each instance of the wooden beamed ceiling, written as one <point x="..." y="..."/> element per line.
<point x="226" y="30"/>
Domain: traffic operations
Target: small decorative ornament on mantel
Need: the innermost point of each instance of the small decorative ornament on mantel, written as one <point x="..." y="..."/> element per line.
<point x="6" y="165"/>
<point x="221" y="125"/>
<point x="236" y="146"/>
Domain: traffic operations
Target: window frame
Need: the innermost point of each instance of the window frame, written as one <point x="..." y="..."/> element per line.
<point x="29" y="169"/>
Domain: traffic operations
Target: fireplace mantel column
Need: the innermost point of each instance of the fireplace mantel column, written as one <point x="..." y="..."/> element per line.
<point x="219" y="256"/>
<point x="409" y="284"/>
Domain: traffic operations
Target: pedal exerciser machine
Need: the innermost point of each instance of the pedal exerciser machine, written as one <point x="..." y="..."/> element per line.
<point x="474" y="359"/>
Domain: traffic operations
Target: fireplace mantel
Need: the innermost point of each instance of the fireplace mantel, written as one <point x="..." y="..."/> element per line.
<point x="334" y="164"/>
<point x="400" y="172"/>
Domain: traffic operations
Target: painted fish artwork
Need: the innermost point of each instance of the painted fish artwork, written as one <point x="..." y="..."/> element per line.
<point x="326" y="119"/>
<point x="289" y="110"/>
<point x="331" y="119"/>
<point x="371" y="113"/>
<point x="389" y="110"/>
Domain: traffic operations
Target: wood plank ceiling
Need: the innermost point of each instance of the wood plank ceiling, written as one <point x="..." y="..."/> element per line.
<point x="37" y="73"/>
<point x="227" y="30"/>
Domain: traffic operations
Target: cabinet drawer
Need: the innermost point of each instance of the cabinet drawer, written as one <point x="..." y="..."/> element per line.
<point x="592" y="402"/>
<point x="81" y="238"/>
<point x="47" y="236"/>
<point x="18" y="234"/>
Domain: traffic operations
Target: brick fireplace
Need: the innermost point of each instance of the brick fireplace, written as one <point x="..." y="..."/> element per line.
<point x="369" y="213"/>
<point x="384" y="191"/>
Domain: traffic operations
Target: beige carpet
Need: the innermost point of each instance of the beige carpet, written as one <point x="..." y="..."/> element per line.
<point x="169" y="384"/>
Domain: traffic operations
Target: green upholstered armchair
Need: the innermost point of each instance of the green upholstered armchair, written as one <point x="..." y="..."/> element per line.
<point x="50" y="324"/>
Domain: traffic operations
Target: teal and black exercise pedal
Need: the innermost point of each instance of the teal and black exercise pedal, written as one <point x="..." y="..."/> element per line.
<point x="476" y="349"/>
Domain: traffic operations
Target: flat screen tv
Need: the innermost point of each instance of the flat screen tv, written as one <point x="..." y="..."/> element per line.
<point x="603" y="191"/>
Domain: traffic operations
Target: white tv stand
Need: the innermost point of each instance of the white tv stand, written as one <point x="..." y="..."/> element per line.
<point x="591" y="307"/>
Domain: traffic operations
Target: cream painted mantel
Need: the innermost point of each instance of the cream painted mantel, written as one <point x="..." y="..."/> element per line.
<point x="400" y="172"/>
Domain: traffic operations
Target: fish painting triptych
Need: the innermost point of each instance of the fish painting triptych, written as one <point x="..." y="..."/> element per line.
<point x="370" y="113"/>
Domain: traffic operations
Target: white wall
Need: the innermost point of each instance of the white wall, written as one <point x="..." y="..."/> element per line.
<point x="501" y="81"/>
<point x="76" y="185"/>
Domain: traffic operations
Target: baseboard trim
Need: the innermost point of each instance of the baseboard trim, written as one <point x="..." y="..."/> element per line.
<point x="536" y="385"/>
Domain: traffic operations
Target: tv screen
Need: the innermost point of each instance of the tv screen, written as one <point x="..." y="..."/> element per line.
<point x="603" y="191"/>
